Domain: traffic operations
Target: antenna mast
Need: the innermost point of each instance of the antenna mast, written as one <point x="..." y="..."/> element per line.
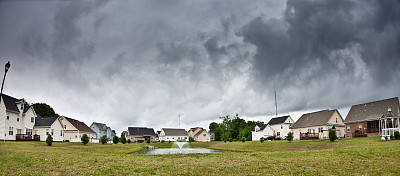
<point x="179" y="122"/>
<point x="276" y="105"/>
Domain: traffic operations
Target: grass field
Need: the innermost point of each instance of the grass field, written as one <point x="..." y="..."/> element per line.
<point x="361" y="156"/>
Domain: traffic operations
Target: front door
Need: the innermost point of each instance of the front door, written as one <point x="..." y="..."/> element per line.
<point x="19" y="131"/>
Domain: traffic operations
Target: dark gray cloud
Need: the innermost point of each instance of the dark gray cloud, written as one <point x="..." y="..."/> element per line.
<point x="140" y="63"/>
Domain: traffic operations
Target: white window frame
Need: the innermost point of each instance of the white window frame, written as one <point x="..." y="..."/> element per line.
<point x="47" y="132"/>
<point x="348" y="128"/>
<point x="10" y="130"/>
<point x="360" y="127"/>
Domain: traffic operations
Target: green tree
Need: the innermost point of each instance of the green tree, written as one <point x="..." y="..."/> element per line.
<point x="332" y="135"/>
<point x="129" y="141"/>
<point x="123" y="139"/>
<point x="85" y="139"/>
<point x="44" y="110"/>
<point x="148" y="140"/>
<point x="103" y="139"/>
<point x="261" y="139"/>
<point x="243" y="139"/>
<point x="191" y="139"/>
<point x="289" y="137"/>
<point x="49" y="140"/>
<point x="115" y="140"/>
<point x="397" y="135"/>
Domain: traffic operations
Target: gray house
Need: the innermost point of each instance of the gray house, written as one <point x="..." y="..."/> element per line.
<point x="102" y="129"/>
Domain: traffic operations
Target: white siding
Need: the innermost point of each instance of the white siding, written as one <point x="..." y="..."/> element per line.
<point x="268" y="131"/>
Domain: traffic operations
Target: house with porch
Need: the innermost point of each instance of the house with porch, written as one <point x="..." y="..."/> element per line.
<point x="17" y="119"/>
<point x="173" y="134"/>
<point x="277" y="127"/>
<point x="74" y="129"/>
<point x="316" y="125"/>
<point x="199" y="134"/>
<point x="141" y="134"/>
<point x="49" y="125"/>
<point x="363" y="120"/>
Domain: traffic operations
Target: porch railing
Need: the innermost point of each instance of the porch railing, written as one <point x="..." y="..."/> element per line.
<point x="27" y="137"/>
<point x="309" y="136"/>
<point x="359" y="133"/>
<point x="389" y="131"/>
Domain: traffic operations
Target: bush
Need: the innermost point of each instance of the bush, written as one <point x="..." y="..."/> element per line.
<point x="391" y="137"/>
<point x="169" y="141"/>
<point x="332" y="135"/>
<point x="123" y="140"/>
<point x="397" y="135"/>
<point x="115" y="140"/>
<point x="85" y="139"/>
<point x="103" y="139"/>
<point x="49" y="140"/>
<point x="243" y="139"/>
<point x="148" y="140"/>
<point x="191" y="139"/>
<point x="261" y="139"/>
<point x="129" y="141"/>
<point x="289" y="137"/>
<point x="230" y="139"/>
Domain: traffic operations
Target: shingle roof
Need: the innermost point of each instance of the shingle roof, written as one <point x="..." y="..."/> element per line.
<point x="314" y="118"/>
<point x="198" y="133"/>
<point x="262" y="127"/>
<point x="79" y="125"/>
<point x="45" y="121"/>
<point x="372" y="110"/>
<point x="11" y="103"/>
<point x="140" y="131"/>
<point x="174" y="132"/>
<point x="277" y="120"/>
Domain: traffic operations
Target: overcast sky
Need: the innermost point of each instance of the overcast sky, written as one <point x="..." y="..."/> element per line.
<point x="141" y="63"/>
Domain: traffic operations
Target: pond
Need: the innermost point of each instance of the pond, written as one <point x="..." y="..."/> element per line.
<point x="164" y="151"/>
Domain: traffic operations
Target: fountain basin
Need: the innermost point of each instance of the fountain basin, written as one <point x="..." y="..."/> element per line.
<point x="166" y="151"/>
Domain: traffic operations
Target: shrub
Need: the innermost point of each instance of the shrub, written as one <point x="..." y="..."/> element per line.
<point x="49" y="140"/>
<point x="397" y="135"/>
<point x="289" y="137"/>
<point x="85" y="139"/>
<point x="169" y="141"/>
<point x="391" y="137"/>
<point x="129" y="141"/>
<point x="261" y="139"/>
<point x="115" y="140"/>
<point x="332" y="135"/>
<point x="123" y="140"/>
<point x="386" y="138"/>
<point x="148" y="140"/>
<point x="243" y="139"/>
<point x="230" y="139"/>
<point x="191" y="139"/>
<point x="103" y="139"/>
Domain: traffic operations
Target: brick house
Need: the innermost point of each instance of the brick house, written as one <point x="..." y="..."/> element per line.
<point x="363" y="119"/>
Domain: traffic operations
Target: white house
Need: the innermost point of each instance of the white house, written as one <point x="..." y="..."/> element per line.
<point x="17" y="119"/>
<point x="49" y="125"/>
<point x="172" y="134"/>
<point x="74" y="129"/>
<point x="277" y="127"/>
<point x="316" y="125"/>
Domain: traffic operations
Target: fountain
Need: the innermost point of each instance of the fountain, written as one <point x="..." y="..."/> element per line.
<point x="176" y="148"/>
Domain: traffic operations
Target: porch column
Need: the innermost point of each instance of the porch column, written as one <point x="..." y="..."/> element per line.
<point x="379" y="123"/>
<point x="386" y="127"/>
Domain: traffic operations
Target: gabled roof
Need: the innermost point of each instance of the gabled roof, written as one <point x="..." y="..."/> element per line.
<point x="277" y="120"/>
<point x="372" y="110"/>
<point x="100" y="126"/>
<point x="174" y="132"/>
<point x="11" y="103"/>
<point x="389" y="114"/>
<point x="45" y="121"/>
<point x="314" y="118"/>
<point x="79" y="125"/>
<point x="140" y="131"/>
<point x="262" y="127"/>
<point x="201" y="131"/>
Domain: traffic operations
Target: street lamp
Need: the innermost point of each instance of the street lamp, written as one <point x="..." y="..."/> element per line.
<point x="7" y="66"/>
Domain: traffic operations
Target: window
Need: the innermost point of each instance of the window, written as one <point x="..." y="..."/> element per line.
<point x="204" y="134"/>
<point x="61" y="133"/>
<point x="22" y="106"/>
<point x="360" y="127"/>
<point x="47" y="131"/>
<point x="8" y="116"/>
<point x="65" y="126"/>
<point x="29" y="131"/>
<point x="281" y="126"/>
<point x="336" y="120"/>
<point x="278" y="133"/>
<point x="320" y="130"/>
<point x="10" y="131"/>
<point x="52" y="132"/>
<point x="76" y="136"/>
<point x="348" y="128"/>
<point x="308" y="130"/>
<point x="17" y="119"/>
<point x="32" y="119"/>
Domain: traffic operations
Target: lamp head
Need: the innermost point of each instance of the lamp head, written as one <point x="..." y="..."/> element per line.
<point x="7" y="66"/>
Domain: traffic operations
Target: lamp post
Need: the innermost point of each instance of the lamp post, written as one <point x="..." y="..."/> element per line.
<point x="7" y="66"/>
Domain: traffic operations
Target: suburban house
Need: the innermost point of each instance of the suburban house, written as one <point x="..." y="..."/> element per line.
<point x="277" y="127"/>
<point x="49" y="125"/>
<point x="101" y="129"/>
<point x="74" y="129"/>
<point x="173" y="134"/>
<point x="141" y="134"/>
<point x="199" y="134"/>
<point x="316" y="125"/>
<point x="17" y="119"/>
<point x="363" y="119"/>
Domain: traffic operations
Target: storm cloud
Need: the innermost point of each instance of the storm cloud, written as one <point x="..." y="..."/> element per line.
<point x="141" y="63"/>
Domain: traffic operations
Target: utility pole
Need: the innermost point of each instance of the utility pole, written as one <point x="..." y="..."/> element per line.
<point x="179" y="116"/>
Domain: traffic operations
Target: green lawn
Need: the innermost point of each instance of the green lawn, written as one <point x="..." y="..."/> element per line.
<point x="361" y="156"/>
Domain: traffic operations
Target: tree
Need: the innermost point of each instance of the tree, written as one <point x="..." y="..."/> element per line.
<point x="290" y="137"/>
<point x="243" y="139"/>
<point x="44" y="110"/>
<point x="397" y="135"/>
<point x="85" y="139"/>
<point x="261" y="139"/>
<point x="148" y="140"/>
<point x="191" y="139"/>
<point x="129" y="141"/>
<point x="115" y="139"/>
<point x="123" y="139"/>
<point x="332" y="135"/>
<point x="49" y="140"/>
<point x="103" y="139"/>
<point x="213" y="127"/>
